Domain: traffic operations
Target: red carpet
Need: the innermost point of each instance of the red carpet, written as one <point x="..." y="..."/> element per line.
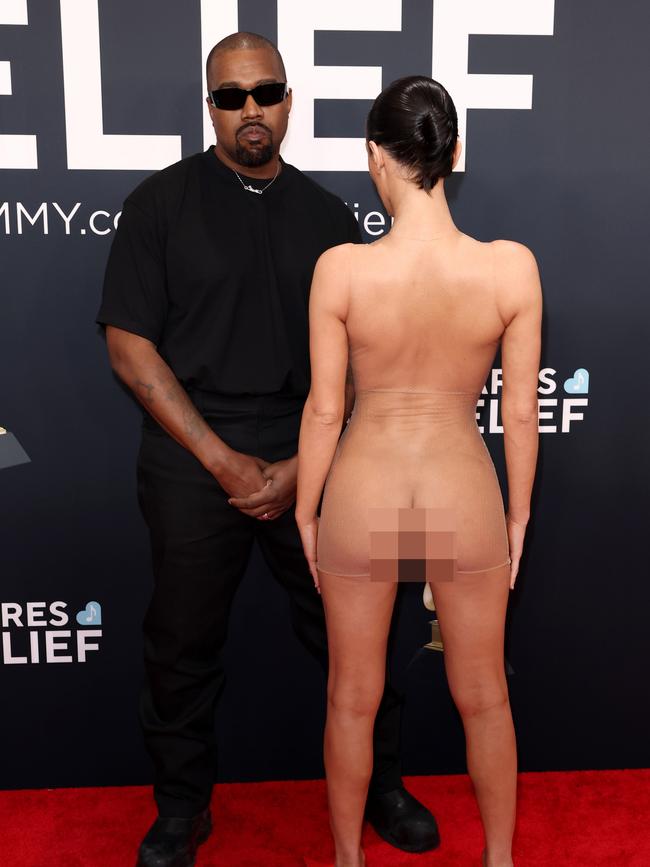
<point x="577" y="819"/>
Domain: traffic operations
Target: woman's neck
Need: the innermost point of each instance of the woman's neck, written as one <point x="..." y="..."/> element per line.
<point x="419" y="215"/>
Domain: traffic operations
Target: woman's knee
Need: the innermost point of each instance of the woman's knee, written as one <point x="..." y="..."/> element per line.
<point x="479" y="697"/>
<point x="355" y="699"/>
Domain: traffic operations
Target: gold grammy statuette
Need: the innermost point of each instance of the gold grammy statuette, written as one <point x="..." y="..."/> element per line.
<point x="436" y="638"/>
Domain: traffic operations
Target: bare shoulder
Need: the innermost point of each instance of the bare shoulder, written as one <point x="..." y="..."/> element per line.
<point x="513" y="259"/>
<point x="338" y="264"/>
<point x="331" y="282"/>
<point x="517" y="283"/>
<point x="335" y="258"/>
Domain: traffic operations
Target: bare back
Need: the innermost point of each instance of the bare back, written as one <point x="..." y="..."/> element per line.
<point x="423" y="315"/>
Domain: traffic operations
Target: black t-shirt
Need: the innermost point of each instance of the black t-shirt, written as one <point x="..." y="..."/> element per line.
<point x="218" y="278"/>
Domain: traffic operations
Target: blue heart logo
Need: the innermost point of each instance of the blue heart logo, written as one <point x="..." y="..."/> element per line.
<point x="578" y="383"/>
<point x="91" y="615"/>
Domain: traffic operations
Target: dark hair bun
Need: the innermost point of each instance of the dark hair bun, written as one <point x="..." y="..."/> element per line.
<point x="415" y="119"/>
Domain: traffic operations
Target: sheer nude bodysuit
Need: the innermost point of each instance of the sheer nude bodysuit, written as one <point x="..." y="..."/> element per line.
<point x="423" y="328"/>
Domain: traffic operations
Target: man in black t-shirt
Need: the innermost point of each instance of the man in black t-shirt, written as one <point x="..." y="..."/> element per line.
<point x="205" y="305"/>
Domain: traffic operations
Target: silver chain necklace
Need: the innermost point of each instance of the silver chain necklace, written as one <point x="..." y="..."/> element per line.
<point x="251" y="189"/>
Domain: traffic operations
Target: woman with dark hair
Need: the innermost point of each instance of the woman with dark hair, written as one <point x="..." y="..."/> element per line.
<point x="410" y="490"/>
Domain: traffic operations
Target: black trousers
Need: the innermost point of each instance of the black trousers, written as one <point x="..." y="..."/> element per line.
<point x="200" y="548"/>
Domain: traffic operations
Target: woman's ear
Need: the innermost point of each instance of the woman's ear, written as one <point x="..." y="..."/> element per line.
<point x="376" y="155"/>
<point x="457" y="152"/>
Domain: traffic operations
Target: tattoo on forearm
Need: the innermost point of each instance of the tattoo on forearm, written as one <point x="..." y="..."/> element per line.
<point x="193" y="423"/>
<point x="194" y="426"/>
<point x="144" y="390"/>
<point x="172" y="390"/>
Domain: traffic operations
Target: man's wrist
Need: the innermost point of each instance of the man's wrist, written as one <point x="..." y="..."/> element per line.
<point x="213" y="453"/>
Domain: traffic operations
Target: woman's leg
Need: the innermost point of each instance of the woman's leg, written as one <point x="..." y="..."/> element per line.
<point x="358" y="615"/>
<point x="471" y="611"/>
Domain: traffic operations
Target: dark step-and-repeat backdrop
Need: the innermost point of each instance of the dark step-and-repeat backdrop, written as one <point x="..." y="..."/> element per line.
<point x="94" y="96"/>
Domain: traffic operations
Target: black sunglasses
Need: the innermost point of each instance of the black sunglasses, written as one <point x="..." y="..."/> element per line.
<point x="231" y="98"/>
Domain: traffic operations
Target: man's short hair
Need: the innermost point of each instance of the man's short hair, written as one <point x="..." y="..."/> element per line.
<point x="242" y="40"/>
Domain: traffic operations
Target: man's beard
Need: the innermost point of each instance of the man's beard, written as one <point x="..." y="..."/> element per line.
<point x="253" y="157"/>
<point x="257" y="155"/>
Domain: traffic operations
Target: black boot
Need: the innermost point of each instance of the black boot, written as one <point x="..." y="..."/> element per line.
<point x="401" y="820"/>
<point x="173" y="842"/>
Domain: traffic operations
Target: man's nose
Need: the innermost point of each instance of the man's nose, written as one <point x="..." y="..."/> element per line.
<point x="251" y="108"/>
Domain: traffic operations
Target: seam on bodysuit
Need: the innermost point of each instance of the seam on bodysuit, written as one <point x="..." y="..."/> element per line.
<point x="459" y="572"/>
<point x="411" y="391"/>
<point x="344" y="574"/>
<point x="489" y="569"/>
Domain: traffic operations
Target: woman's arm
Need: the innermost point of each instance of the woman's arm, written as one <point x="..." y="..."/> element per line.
<point x="323" y="413"/>
<point x="324" y="408"/>
<point x="520" y="303"/>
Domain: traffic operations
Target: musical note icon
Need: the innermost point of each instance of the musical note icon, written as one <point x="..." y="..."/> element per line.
<point x="578" y="383"/>
<point x="91" y="614"/>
